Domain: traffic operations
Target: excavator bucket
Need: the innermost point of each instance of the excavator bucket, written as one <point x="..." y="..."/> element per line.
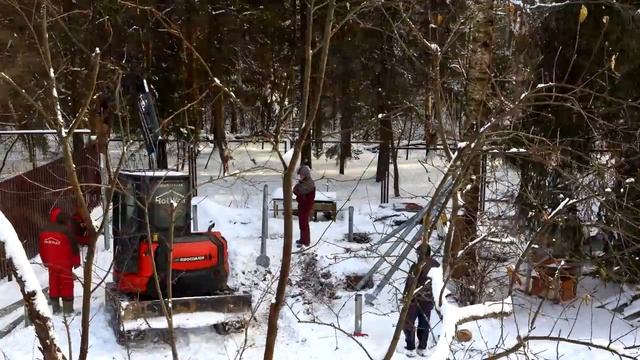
<point x="138" y="320"/>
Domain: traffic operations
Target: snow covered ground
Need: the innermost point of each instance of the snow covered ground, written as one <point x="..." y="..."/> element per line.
<point x="307" y="323"/>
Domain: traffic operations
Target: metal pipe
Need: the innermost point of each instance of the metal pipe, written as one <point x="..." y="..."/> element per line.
<point x="384" y="188"/>
<point x="435" y="209"/>
<point x="265" y="215"/>
<point x="382" y="259"/>
<point x="370" y="297"/>
<point x="263" y="260"/>
<point x="358" y="318"/>
<point x="397" y="229"/>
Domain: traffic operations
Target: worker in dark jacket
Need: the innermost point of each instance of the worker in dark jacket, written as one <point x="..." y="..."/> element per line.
<point x="60" y="254"/>
<point x="79" y="229"/>
<point x="305" y="191"/>
<point x="421" y="303"/>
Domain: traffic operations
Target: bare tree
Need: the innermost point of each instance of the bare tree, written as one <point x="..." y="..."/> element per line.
<point x="307" y="121"/>
<point x="54" y="119"/>
<point x="465" y="217"/>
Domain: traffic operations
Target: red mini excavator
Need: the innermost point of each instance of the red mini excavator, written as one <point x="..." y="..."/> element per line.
<point x="156" y="253"/>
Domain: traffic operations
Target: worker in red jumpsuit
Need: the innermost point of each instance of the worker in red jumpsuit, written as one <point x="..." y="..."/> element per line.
<point x="60" y="254"/>
<point x="305" y="191"/>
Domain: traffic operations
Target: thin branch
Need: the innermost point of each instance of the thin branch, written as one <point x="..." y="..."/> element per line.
<point x="93" y="78"/>
<point x="24" y="94"/>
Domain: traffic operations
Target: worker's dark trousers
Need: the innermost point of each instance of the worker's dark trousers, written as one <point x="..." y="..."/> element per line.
<point x="422" y="314"/>
<point x="303" y="221"/>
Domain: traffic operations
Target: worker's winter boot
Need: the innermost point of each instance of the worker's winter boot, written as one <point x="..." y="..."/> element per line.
<point x="410" y="353"/>
<point x="55" y="305"/>
<point x="67" y="306"/>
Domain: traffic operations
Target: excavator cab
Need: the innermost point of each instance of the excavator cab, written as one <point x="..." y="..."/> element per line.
<point x="152" y="223"/>
<point x="155" y="249"/>
<point x="152" y="230"/>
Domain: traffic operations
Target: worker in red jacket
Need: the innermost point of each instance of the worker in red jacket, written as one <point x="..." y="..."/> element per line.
<point x="305" y="191"/>
<point x="60" y="254"/>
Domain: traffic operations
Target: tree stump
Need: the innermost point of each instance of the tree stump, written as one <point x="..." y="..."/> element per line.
<point x="463" y="335"/>
<point x="352" y="280"/>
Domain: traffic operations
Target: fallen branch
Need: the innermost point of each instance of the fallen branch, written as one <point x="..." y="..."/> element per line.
<point x="522" y="340"/>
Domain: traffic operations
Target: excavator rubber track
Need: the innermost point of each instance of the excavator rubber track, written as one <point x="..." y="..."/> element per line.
<point x="134" y="320"/>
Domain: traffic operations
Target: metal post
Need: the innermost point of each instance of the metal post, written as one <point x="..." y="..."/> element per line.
<point x="105" y="202"/>
<point x="439" y="202"/>
<point x="384" y="188"/>
<point x="263" y="260"/>
<point x="350" y="223"/>
<point x="358" y="319"/>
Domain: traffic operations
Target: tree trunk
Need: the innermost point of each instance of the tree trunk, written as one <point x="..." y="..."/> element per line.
<point x="385" y="134"/>
<point x="317" y="132"/>
<point x="234" y="119"/>
<point x="219" y="133"/>
<point x="394" y="153"/>
<point x="42" y="324"/>
<point x="396" y="174"/>
<point x="194" y="116"/>
<point x="465" y="217"/>
<point x="346" y="108"/>
<point x="73" y="82"/>
<point x="346" y="121"/>
<point x="306" y="29"/>
<point x="285" y="266"/>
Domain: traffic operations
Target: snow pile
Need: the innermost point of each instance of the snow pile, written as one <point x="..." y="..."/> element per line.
<point x="237" y="221"/>
<point x="454" y="315"/>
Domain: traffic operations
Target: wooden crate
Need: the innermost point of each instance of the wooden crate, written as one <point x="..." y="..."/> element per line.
<point x="562" y="289"/>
